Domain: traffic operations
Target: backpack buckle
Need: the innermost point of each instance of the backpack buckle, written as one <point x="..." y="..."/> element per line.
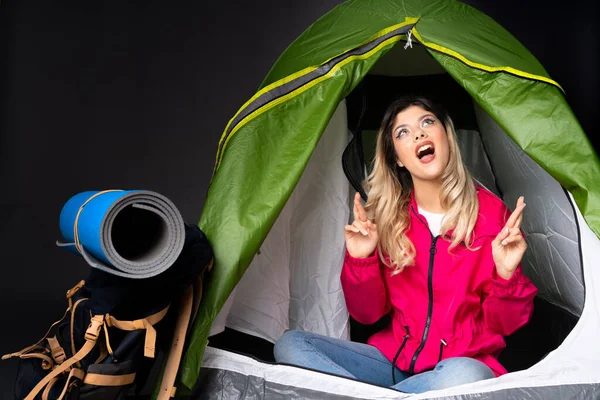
<point x="59" y="356"/>
<point x="93" y="330"/>
<point x="58" y="353"/>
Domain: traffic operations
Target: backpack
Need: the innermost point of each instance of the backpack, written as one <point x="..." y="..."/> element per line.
<point x="117" y="333"/>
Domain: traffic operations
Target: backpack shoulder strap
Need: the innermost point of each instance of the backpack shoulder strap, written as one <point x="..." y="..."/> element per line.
<point x="188" y="308"/>
<point x="181" y="326"/>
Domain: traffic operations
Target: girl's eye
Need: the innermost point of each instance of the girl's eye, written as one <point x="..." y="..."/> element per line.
<point x="428" y="121"/>
<point x="401" y="133"/>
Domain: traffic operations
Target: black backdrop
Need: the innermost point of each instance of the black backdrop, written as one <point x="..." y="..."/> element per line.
<point x="99" y="95"/>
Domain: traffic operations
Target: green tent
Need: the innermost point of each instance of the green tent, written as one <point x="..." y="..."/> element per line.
<point x="267" y="144"/>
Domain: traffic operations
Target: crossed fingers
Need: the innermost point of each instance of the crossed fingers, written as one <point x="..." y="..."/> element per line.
<point x="512" y="229"/>
<point x="361" y="222"/>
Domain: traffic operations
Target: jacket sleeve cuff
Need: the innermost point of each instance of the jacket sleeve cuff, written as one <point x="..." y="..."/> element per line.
<point x="507" y="285"/>
<point x="372" y="260"/>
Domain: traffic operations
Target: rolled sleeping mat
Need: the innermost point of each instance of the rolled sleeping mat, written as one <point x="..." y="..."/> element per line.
<point x="130" y="233"/>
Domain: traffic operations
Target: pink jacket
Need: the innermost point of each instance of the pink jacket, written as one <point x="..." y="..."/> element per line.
<point x="446" y="305"/>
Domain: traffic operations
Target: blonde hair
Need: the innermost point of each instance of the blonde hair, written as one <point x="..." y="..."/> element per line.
<point x="389" y="187"/>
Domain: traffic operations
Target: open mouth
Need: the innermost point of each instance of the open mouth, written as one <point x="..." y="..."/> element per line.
<point x="424" y="150"/>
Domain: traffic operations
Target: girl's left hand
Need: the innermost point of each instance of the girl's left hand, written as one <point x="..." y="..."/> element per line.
<point x="509" y="246"/>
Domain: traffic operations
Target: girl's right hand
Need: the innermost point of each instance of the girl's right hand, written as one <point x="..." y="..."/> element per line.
<point x="361" y="237"/>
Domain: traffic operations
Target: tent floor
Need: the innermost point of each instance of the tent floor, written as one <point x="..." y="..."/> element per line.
<point x="546" y="331"/>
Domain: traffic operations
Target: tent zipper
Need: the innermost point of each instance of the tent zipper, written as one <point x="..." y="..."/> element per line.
<point x="432" y="251"/>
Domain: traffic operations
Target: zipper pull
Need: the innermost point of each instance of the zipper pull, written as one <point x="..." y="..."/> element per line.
<point x="432" y="249"/>
<point x="408" y="40"/>
<point x="442" y="345"/>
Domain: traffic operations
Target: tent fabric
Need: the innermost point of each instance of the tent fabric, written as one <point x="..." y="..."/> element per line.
<point x="244" y="199"/>
<point x="476" y="159"/>
<point x="274" y="94"/>
<point x="536" y="117"/>
<point x="448" y="24"/>
<point x="294" y="281"/>
<point x="262" y="157"/>
<point x="553" y="260"/>
<point x="222" y="383"/>
<point x="230" y="375"/>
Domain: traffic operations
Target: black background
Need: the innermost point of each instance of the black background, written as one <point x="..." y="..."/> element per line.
<point x="135" y="95"/>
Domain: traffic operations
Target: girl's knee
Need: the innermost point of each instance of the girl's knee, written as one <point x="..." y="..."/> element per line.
<point x="465" y="369"/>
<point x="288" y="344"/>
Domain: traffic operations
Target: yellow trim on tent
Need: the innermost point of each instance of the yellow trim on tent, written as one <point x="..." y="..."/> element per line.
<point x="305" y="71"/>
<point x="289" y="78"/>
<point x="304" y="88"/>
<point x="483" y="67"/>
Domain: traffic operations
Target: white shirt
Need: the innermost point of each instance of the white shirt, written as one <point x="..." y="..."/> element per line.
<point x="434" y="221"/>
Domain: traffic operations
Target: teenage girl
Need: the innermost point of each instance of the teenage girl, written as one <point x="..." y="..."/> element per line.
<point x="437" y="253"/>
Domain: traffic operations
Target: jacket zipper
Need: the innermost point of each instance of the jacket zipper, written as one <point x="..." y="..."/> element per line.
<point x="432" y="251"/>
<point x="398" y="353"/>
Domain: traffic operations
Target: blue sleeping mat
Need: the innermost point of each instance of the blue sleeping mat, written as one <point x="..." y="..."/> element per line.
<point x="129" y="233"/>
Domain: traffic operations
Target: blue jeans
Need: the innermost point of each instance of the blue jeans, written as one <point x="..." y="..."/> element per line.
<point x="366" y="363"/>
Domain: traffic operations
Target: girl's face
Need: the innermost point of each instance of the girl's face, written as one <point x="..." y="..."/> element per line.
<point x="421" y="143"/>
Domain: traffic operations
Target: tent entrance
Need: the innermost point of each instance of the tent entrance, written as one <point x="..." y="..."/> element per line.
<point x="553" y="260"/>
